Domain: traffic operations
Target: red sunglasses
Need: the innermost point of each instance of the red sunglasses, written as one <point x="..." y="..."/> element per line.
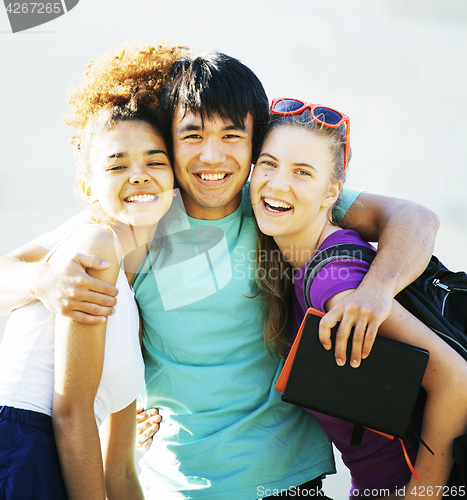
<point x="321" y="114"/>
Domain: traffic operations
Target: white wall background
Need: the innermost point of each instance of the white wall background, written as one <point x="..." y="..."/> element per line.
<point x="397" y="67"/>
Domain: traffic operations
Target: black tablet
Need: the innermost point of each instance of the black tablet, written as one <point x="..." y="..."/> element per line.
<point x="379" y="394"/>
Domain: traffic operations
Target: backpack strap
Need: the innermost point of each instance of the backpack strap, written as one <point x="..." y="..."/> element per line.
<point x="348" y="251"/>
<point x="357" y="435"/>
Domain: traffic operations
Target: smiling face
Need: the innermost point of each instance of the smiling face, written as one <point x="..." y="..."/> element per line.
<point x="291" y="188"/>
<point x="131" y="176"/>
<point x="212" y="163"/>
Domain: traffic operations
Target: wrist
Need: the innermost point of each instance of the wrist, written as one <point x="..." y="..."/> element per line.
<point x="381" y="284"/>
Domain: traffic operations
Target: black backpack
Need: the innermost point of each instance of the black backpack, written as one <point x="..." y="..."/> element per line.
<point x="438" y="298"/>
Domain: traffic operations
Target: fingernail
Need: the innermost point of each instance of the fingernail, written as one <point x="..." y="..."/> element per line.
<point x="354" y="363"/>
<point x="340" y="362"/>
<point x="327" y="347"/>
<point x="104" y="263"/>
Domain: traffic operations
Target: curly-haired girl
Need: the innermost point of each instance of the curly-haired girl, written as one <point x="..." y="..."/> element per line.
<point x="60" y="379"/>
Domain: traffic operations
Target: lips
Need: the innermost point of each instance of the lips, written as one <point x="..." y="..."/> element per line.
<point x="276" y="206"/>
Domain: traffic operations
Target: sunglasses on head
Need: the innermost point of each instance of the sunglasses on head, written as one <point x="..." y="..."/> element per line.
<point x="320" y="114"/>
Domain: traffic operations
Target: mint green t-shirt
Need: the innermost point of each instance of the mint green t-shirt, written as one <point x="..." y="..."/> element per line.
<point x="225" y="432"/>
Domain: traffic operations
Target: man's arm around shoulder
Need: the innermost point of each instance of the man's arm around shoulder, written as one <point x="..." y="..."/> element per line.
<point x="406" y="233"/>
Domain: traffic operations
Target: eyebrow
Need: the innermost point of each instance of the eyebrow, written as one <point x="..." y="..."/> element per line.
<point x="192" y="127"/>
<point x="149" y="152"/>
<point x="306" y="165"/>
<point x="300" y="164"/>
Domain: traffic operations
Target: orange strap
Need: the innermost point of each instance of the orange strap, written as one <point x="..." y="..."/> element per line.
<point x="406" y="455"/>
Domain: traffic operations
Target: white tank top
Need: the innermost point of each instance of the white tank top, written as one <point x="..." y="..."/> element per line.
<point x="27" y="358"/>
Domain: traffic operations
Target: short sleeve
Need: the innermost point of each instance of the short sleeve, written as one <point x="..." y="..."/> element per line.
<point x="336" y="277"/>
<point x="52" y="239"/>
<point x="346" y="198"/>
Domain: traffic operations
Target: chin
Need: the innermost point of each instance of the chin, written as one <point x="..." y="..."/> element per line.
<point x="268" y="230"/>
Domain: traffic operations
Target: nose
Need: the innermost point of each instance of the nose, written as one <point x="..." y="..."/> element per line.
<point x="279" y="180"/>
<point x="139" y="175"/>
<point x="212" y="152"/>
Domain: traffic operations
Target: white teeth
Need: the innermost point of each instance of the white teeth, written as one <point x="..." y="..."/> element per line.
<point x="212" y="177"/>
<point x="141" y="198"/>
<point x="276" y="203"/>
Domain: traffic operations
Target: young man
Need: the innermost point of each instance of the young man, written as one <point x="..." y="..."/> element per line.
<point x="225" y="434"/>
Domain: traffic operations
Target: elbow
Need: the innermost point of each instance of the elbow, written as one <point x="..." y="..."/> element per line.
<point x="418" y="213"/>
<point x="430" y="218"/>
<point x="67" y="418"/>
<point x="420" y="219"/>
<point x="61" y="422"/>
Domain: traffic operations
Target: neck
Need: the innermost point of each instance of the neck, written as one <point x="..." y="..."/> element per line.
<point x="193" y="209"/>
<point x="299" y="249"/>
<point x="135" y="242"/>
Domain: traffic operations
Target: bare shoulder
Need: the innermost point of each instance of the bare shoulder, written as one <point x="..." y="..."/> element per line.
<point x="97" y="240"/>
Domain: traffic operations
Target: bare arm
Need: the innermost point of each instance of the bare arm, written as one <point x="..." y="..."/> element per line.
<point x="118" y="451"/>
<point x="79" y="359"/>
<point x="401" y="228"/>
<point x="405" y="232"/>
<point x="63" y="286"/>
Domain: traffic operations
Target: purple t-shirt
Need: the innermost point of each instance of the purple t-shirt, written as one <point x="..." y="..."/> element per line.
<point x="378" y="462"/>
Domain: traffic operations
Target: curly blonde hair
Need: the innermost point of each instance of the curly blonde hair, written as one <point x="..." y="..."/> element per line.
<point x="116" y="77"/>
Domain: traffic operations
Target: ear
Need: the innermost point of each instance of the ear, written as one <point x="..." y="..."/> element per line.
<point x="88" y="192"/>
<point x="332" y="194"/>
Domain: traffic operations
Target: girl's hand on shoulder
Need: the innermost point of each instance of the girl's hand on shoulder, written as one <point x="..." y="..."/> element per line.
<point x="360" y="309"/>
<point x="66" y="288"/>
<point x="147" y="424"/>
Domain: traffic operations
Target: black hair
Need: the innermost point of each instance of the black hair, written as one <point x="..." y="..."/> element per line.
<point x="216" y="84"/>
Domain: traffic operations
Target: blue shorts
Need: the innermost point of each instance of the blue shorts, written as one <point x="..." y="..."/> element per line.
<point x="29" y="465"/>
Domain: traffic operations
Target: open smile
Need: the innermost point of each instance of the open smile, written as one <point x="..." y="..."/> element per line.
<point x="210" y="179"/>
<point x="141" y="198"/>
<point x="276" y="206"/>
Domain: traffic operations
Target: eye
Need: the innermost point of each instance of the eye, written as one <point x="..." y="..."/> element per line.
<point x="157" y="163"/>
<point x="192" y="137"/>
<point x="303" y="172"/>
<point x="267" y="163"/>
<point x="115" y="168"/>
